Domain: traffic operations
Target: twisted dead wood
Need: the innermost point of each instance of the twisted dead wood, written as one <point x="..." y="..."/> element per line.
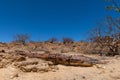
<point x="70" y="60"/>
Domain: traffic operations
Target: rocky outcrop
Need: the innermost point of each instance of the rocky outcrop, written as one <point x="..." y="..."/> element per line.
<point x="36" y="66"/>
<point x="26" y="64"/>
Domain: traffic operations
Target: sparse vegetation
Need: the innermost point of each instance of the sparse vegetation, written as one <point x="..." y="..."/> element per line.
<point x="107" y="38"/>
<point x="55" y="58"/>
<point x="53" y="40"/>
<point x="66" y="40"/>
<point x="21" y="38"/>
<point x="106" y="35"/>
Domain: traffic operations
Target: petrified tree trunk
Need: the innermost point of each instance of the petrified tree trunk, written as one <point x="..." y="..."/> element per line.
<point x="70" y="60"/>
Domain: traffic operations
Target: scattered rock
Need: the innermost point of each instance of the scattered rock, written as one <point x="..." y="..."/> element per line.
<point x="2" y="51"/>
<point x="14" y="76"/>
<point x="36" y="66"/>
<point x="83" y="77"/>
<point x="101" y="72"/>
<point x="100" y="66"/>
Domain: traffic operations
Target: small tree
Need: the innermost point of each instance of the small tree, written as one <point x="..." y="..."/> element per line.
<point x="21" y="38"/>
<point x="107" y="36"/>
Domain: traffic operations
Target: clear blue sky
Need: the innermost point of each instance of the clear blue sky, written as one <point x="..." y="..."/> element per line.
<point x="43" y="19"/>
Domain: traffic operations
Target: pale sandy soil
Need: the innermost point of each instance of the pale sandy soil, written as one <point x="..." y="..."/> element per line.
<point x="109" y="71"/>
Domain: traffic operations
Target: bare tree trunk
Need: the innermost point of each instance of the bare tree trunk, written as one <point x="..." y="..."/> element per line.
<point x="69" y="60"/>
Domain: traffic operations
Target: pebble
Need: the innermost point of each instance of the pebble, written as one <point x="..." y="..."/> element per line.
<point x="100" y="66"/>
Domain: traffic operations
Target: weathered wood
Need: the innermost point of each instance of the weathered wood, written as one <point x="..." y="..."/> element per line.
<point x="70" y="60"/>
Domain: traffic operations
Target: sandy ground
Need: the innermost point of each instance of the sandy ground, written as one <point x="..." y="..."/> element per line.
<point x="109" y="71"/>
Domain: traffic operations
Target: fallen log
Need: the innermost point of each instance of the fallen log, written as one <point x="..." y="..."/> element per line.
<point x="69" y="60"/>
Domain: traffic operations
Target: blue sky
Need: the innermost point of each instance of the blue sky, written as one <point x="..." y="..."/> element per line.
<point x="43" y="19"/>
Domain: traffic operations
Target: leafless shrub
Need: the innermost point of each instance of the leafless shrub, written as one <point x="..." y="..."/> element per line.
<point x="115" y="5"/>
<point x="21" y="38"/>
<point x="67" y="40"/>
<point x="53" y="40"/>
<point x="107" y="37"/>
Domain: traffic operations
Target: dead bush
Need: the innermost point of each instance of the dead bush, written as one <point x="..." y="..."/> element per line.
<point x="67" y="40"/>
<point x="53" y="40"/>
<point x="21" y="38"/>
